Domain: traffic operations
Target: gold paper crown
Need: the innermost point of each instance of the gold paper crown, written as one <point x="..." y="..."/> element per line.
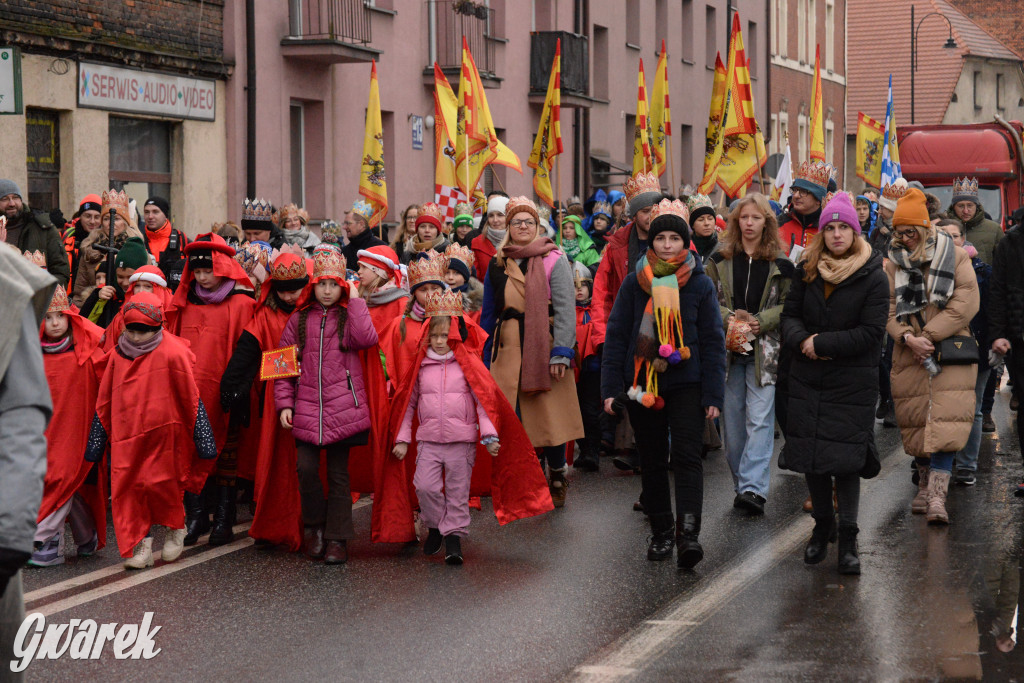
<point x="698" y="200"/>
<point x="895" y="191"/>
<point x="443" y="303"/>
<point x="59" y="303"/>
<point x="672" y="207"/>
<point x="288" y="267"/>
<point x="463" y="209"/>
<point x="37" y="257"/>
<point x="287" y="211"/>
<point x="817" y="172"/>
<point x="430" y="269"/>
<point x="257" y="210"/>
<point x="543" y="213"/>
<point x="967" y="187"/>
<point x="431" y="210"/>
<point x="603" y="207"/>
<point x="327" y="263"/>
<point x="640" y="184"/>
<point x="363" y="209"/>
<point x="457" y="252"/>
<point x="118" y="201"/>
<point x="521" y="203"/>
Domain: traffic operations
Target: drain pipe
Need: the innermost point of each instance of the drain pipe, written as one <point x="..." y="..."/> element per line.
<point x="432" y="31"/>
<point x="250" y="98"/>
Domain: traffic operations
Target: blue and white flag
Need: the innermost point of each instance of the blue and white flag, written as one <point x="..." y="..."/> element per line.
<point x="890" y="151"/>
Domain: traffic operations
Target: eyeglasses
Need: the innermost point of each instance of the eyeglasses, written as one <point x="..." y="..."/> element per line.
<point x="904" y="234"/>
<point x="798" y="192"/>
<point x="528" y="222"/>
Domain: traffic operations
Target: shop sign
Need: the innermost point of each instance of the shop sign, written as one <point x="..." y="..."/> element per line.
<point x="143" y="92"/>
<point x="10" y="81"/>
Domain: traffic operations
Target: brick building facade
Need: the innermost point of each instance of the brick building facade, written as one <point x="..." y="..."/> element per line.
<point x="797" y="27"/>
<point x="126" y="94"/>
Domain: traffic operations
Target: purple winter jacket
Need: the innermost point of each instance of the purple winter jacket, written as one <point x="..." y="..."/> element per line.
<point x="447" y="407"/>
<point x="328" y="398"/>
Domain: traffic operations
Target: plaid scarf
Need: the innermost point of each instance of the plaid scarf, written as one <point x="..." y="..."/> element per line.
<point x="660" y="341"/>
<point x="940" y="258"/>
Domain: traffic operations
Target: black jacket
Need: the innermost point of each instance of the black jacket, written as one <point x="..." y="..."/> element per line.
<point x="1006" y="296"/>
<point x="831" y="411"/>
<point x="364" y="240"/>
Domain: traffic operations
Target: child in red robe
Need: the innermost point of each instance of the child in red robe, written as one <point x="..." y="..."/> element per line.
<point x="73" y="489"/>
<point x="210" y="309"/>
<point x="145" y="279"/>
<point x="380" y="276"/>
<point x="273" y="523"/>
<point x="589" y="336"/>
<point x="150" y="412"/>
<point x="443" y="400"/>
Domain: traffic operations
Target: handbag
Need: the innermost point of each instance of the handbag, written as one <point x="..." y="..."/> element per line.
<point x="959" y="349"/>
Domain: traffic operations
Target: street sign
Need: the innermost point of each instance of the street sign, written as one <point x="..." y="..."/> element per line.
<point x="10" y="81"/>
<point x="417" y="132"/>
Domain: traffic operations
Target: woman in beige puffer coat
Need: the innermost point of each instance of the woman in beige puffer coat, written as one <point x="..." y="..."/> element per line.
<point x="933" y="296"/>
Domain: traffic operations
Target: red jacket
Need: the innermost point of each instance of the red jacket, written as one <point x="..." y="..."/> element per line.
<point x="483" y="252"/>
<point x="793" y="231"/>
<point x="610" y="275"/>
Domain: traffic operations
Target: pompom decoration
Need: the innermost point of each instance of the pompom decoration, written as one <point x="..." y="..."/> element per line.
<point x="634" y="393"/>
<point x="665" y="351"/>
<point x="659" y="403"/>
<point x="648" y="400"/>
<point x="676" y="357"/>
<point x="659" y="364"/>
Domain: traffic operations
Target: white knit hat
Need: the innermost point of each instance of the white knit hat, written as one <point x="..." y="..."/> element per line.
<point x="497" y="203"/>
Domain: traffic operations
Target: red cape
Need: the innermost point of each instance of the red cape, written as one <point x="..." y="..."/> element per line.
<point x="68" y="431"/>
<point x="400" y="355"/>
<point x="587" y="337"/>
<point x="212" y="332"/>
<point x="383" y="315"/>
<point x="148" y="407"/>
<point x="513" y="479"/>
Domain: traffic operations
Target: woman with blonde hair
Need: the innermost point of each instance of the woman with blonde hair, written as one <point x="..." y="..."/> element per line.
<point x="933" y="297"/>
<point x="832" y="324"/>
<point x="406" y="229"/>
<point x="752" y="277"/>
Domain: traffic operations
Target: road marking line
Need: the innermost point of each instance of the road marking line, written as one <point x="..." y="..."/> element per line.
<point x="644" y="645"/>
<point x="144" y="576"/>
<point x="132" y="580"/>
<point x="113" y="570"/>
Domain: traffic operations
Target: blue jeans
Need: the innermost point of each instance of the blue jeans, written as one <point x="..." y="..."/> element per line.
<point x="749" y="428"/>
<point x="942" y="461"/>
<point x="967" y="457"/>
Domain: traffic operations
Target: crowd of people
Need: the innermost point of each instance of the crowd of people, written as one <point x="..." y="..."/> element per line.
<point x="295" y="370"/>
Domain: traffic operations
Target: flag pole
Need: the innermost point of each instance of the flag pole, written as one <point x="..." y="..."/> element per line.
<point x="757" y="156"/>
<point x="671" y="164"/>
<point x="558" y="192"/>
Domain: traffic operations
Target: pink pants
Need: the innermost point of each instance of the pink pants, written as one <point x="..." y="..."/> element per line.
<point x="443" y="472"/>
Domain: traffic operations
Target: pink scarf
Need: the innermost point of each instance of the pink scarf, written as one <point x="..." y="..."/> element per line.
<point x="536" y="376"/>
<point x="133" y="351"/>
<point x="214" y="296"/>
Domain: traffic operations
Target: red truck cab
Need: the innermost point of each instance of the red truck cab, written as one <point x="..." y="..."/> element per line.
<point x="991" y="152"/>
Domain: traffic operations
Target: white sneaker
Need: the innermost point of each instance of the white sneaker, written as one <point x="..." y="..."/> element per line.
<point x="142" y="555"/>
<point x="174" y="544"/>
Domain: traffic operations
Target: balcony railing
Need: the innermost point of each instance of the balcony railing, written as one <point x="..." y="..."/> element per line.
<point x="344" y="21"/>
<point x="458" y="18"/>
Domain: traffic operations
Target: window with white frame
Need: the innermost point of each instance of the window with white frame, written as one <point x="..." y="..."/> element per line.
<point x="829" y="139"/>
<point x="783" y="130"/>
<point x="773" y="146"/>
<point x="801" y="138"/>
<point x="772" y="39"/>
<point x="801" y="30"/>
<point x="830" y="40"/>
<point x="812" y="30"/>
<point x="783" y="27"/>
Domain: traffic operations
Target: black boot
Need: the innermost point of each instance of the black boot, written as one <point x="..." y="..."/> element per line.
<point x="224" y="516"/>
<point x="197" y="522"/>
<point x="823" y="534"/>
<point x="849" y="562"/>
<point x="452" y="550"/>
<point x="627" y="461"/>
<point x="689" y="550"/>
<point x="662" y="541"/>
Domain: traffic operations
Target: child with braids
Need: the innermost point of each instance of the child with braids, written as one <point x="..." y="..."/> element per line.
<point x="327" y="406"/>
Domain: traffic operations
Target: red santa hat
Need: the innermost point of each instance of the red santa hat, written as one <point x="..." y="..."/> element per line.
<point x="149" y="274"/>
<point x="382" y="260"/>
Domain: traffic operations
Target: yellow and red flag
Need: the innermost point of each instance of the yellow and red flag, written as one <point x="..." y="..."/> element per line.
<point x="739" y="115"/>
<point x="870" y="142"/>
<point x="642" y="156"/>
<point x="817" y="127"/>
<point x="476" y="143"/>
<point x="548" y="143"/>
<point x="713" y="139"/>
<point x="661" y="118"/>
<point x="446" y="107"/>
<point x="372" y="177"/>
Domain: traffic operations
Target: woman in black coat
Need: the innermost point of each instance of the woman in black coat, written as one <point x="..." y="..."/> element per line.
<point x="832" y="323"/>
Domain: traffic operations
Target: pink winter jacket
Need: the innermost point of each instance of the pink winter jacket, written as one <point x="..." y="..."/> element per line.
<point x="448" y="410"/>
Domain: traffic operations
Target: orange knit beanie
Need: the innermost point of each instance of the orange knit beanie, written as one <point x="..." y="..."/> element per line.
<point x="912" y="209"/>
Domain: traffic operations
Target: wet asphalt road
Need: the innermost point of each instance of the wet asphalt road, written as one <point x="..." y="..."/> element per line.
<point x="572" y="596"/>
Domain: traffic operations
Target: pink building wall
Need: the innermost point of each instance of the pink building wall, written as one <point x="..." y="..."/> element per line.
<point x="335" y="96"/>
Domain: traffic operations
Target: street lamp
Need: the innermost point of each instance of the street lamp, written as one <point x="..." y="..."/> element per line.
<point x="950" y="44"/>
